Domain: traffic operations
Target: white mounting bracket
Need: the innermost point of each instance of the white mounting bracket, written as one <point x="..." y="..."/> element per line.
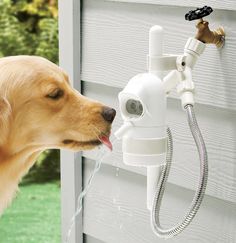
<point x="181" y="66"/>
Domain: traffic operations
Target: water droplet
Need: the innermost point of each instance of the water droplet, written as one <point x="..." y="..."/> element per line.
<point x="117" y="171"/>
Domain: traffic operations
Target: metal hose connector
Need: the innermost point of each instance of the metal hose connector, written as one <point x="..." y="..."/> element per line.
<point x="155" y="222"/>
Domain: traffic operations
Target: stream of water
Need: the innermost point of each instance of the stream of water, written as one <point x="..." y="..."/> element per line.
<point x="104" y="152"/>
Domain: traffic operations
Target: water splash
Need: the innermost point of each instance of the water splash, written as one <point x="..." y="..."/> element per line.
<point x="85" y="190"/>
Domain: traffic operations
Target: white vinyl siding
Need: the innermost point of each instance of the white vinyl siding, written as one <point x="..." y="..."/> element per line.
<point x="114" y="48"/>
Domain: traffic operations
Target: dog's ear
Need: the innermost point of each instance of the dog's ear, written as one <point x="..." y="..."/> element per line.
<point x="5" y="115"/>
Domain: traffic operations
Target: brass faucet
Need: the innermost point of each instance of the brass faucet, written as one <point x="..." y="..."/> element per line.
<point x="204" y="34"/>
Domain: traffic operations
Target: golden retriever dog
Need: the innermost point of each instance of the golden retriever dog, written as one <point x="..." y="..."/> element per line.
<point x="40" y="110"/>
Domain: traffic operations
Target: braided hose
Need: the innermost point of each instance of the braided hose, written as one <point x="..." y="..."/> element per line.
<point x="155" y="222"/>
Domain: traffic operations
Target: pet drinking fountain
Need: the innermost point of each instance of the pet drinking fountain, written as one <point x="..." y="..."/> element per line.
<point x="146" y="139"/>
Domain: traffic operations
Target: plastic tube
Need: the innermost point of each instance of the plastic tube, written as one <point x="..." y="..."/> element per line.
<point x="155" y="222"/>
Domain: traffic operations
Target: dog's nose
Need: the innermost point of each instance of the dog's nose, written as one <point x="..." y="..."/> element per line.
<point x="108" y="114"/>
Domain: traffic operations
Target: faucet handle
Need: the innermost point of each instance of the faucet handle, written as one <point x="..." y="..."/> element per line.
<point x="198" y="13"/>
<point x="204" y="34"/>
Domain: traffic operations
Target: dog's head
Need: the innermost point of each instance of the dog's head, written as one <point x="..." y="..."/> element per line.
<point x="38" y="107"/>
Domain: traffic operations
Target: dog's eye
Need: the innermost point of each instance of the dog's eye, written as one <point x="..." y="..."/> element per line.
<point x="56" y="94"/>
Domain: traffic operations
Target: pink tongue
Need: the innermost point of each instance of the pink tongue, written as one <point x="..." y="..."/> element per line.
<point x="105" y="140"/>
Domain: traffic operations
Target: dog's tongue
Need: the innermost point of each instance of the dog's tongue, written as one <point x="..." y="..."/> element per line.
<point x="105" y="140"/>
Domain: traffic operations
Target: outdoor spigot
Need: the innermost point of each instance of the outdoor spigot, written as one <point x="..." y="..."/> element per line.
<point x="204" y="34"/>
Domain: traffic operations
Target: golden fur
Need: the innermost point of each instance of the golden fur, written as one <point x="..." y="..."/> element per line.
<point x="32" y="121"/>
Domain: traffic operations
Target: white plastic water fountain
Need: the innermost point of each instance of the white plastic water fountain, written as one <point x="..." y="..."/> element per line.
<point x="146" y="139"/>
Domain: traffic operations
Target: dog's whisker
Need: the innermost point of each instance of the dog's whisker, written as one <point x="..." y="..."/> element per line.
<point x="99" y="132"/>
<point x="96" y="128"/>
<point x="97" y="135"/>
<point x="83" y="137"/>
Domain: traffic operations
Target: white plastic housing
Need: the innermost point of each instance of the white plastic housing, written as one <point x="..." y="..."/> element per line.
<point x="144" y="136"/>
<point x="153" y="175"/>
<point x="155" y="46"/>
<point x="155" y="40"/>
<point x="192" y="50"/>
<point x="156" y="34"/>
<point x="144" y="141"/>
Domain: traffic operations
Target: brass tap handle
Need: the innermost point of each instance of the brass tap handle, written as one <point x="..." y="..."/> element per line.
<point x="204" y="34"/>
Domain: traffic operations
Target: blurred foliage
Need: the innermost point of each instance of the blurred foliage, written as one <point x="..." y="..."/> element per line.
<point x="47" y="168"/>
<point x="30" y="27"/>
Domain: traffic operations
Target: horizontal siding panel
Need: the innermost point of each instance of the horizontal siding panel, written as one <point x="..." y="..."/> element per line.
<point x="90" y="239"/>
<point x="115" y="44"/>
<point x="115" y="211"/>
<point x="219" y="131"/>
<point x="228" y="4"/>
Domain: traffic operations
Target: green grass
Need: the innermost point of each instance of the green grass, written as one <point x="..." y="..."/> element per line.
<point x="34" y="216"/>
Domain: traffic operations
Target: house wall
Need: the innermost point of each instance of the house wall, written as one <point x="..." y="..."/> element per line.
<point x="114" y="45"/>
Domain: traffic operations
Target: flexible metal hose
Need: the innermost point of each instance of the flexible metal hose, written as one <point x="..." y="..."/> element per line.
<point x="155" y="222"/>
